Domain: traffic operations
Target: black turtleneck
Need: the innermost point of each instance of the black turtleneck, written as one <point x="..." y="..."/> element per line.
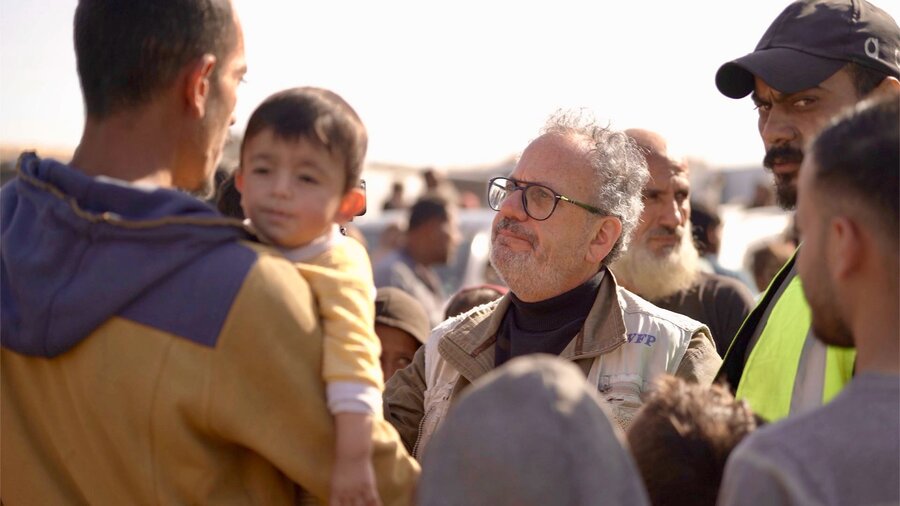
<point x="546" y="326"/>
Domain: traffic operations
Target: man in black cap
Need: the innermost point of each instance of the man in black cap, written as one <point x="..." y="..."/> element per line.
<point x="817" y="57"/>
<point x="849" y="205"/>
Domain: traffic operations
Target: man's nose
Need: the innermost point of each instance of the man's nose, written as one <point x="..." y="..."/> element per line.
<point x="513" y="205"/>
<point x="673" y="215"/>
<point x="776" y="128"/>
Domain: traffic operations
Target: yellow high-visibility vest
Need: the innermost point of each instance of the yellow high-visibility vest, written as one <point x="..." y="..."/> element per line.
<point x="768" y="378"/>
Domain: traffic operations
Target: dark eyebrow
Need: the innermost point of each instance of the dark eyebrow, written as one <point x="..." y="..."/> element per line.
<point x="779" y="97"/>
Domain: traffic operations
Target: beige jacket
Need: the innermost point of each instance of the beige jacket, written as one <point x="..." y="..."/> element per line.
<point x="625" y="343"/>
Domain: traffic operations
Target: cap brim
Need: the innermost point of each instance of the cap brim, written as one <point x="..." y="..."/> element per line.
<point x="784" y="69"/>
<point x="417" y="334"/>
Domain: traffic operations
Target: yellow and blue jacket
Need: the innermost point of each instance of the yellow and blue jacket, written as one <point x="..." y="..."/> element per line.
<point x="151" y="353"/>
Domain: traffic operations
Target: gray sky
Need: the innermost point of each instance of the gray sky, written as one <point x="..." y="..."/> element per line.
<point x="445" y="83"/>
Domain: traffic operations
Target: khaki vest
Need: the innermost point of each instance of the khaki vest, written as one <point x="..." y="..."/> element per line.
<point x="654" y="342"/>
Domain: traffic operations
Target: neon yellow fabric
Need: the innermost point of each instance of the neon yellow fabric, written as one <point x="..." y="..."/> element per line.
<point x="770" y="372"/>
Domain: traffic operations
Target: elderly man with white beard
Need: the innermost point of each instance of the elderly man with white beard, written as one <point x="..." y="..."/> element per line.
<point x="563" y="214"/>
<point x="662" y="264"/>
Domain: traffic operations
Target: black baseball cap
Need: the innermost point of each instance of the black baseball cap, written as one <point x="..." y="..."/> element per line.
<point x="811" y="40"/>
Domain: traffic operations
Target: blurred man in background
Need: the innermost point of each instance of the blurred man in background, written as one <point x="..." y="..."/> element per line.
<point x="431" y="239"/>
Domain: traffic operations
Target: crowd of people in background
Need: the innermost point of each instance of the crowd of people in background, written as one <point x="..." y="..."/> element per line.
<point x="254" y="348"/>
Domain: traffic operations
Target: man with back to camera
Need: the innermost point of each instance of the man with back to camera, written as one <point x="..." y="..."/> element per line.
<point x="817" y="57"/>
<point x="662" y="264"/>
<point x="566" y="210"/>
<point x="150" y="354"/>
<point x="848" y="213"/>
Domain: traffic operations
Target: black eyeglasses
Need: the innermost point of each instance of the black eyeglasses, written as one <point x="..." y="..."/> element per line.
<point x="538" y="200"/>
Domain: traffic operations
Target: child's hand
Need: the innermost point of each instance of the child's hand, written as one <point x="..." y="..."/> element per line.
<point x="353" y="483"/>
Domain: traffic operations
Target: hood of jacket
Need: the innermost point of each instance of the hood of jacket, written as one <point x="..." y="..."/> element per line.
<point x="76" y="250"/>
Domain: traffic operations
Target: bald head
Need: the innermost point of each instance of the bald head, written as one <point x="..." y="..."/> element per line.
<point x="656" y="150"/>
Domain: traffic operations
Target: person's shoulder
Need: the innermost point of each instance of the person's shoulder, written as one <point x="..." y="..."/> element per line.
<point x="272" y="271"/>
<point x="724" y="287"/>
<point x="346" y="255"/>
<point x="392" y="270"/>
<point x="720" y="282"/>
<point x="632" y="303"/>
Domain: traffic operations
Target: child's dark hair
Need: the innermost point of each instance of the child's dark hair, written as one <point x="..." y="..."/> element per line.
<point x="682" y="437"/>
<point x="319" y="116"/>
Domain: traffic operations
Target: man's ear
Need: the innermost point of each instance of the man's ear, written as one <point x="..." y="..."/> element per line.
<point x="197" y="84"/>
<point x="845" y="247"/>
<point x="351" y="204"/>
<point x="888" y="85"/>
<point x="609" y="232"/>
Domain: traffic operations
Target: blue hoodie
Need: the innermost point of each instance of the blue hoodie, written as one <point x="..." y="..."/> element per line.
<point x="77" y="250"/>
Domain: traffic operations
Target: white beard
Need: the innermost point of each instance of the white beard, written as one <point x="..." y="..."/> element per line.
<point x="654" y="277"/>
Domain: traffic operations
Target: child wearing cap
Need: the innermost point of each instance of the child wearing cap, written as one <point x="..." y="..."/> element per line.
<point x="300" y="166"/>
<point x="402" y="326"/>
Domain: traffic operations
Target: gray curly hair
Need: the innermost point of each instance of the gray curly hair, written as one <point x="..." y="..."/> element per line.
<point x="619" y="166"/>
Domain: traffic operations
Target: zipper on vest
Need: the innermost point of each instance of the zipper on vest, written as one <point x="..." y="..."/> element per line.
<point x="415" y="449"/>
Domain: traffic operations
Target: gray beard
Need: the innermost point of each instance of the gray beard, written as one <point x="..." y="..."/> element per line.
<point x="654" y="277"/>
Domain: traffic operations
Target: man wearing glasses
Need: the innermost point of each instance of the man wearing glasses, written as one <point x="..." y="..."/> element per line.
<point x="564" y="213"/>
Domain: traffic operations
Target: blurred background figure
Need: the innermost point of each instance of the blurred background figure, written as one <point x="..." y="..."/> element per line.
<point x="395" y="200"/>
<point x="437" y="185"/>
<point x="472" y="296"/>
<point x="707" y="229"/>
<point x="402" y="326"/>
<point x="532" y="432"/>
<point x="682" y="438"/>
<point x="767" y="259"/>
<point x="431" y="238"/>
<point x="662" y="264"/>
<point x="389" y="240"/>
<point x="763" y="196"/>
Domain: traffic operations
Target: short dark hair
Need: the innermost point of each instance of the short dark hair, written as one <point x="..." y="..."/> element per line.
<point x="682" y="437"/>
<point x="703" y="219"/>
<point x="427" y="209"/>
<point x="317" y="115"/>
<point x="857" y="160"/>
<point x="128" y="51"/>
<point x="864" y="79"/>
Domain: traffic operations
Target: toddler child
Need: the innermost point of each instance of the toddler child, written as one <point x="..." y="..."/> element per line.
<point x="299" y="173"/>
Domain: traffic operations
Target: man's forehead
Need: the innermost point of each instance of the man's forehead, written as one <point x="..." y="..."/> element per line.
<point x="549" y="155"/>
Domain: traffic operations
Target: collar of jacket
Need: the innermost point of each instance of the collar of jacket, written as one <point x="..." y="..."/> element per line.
<point x="469" y="345"/>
